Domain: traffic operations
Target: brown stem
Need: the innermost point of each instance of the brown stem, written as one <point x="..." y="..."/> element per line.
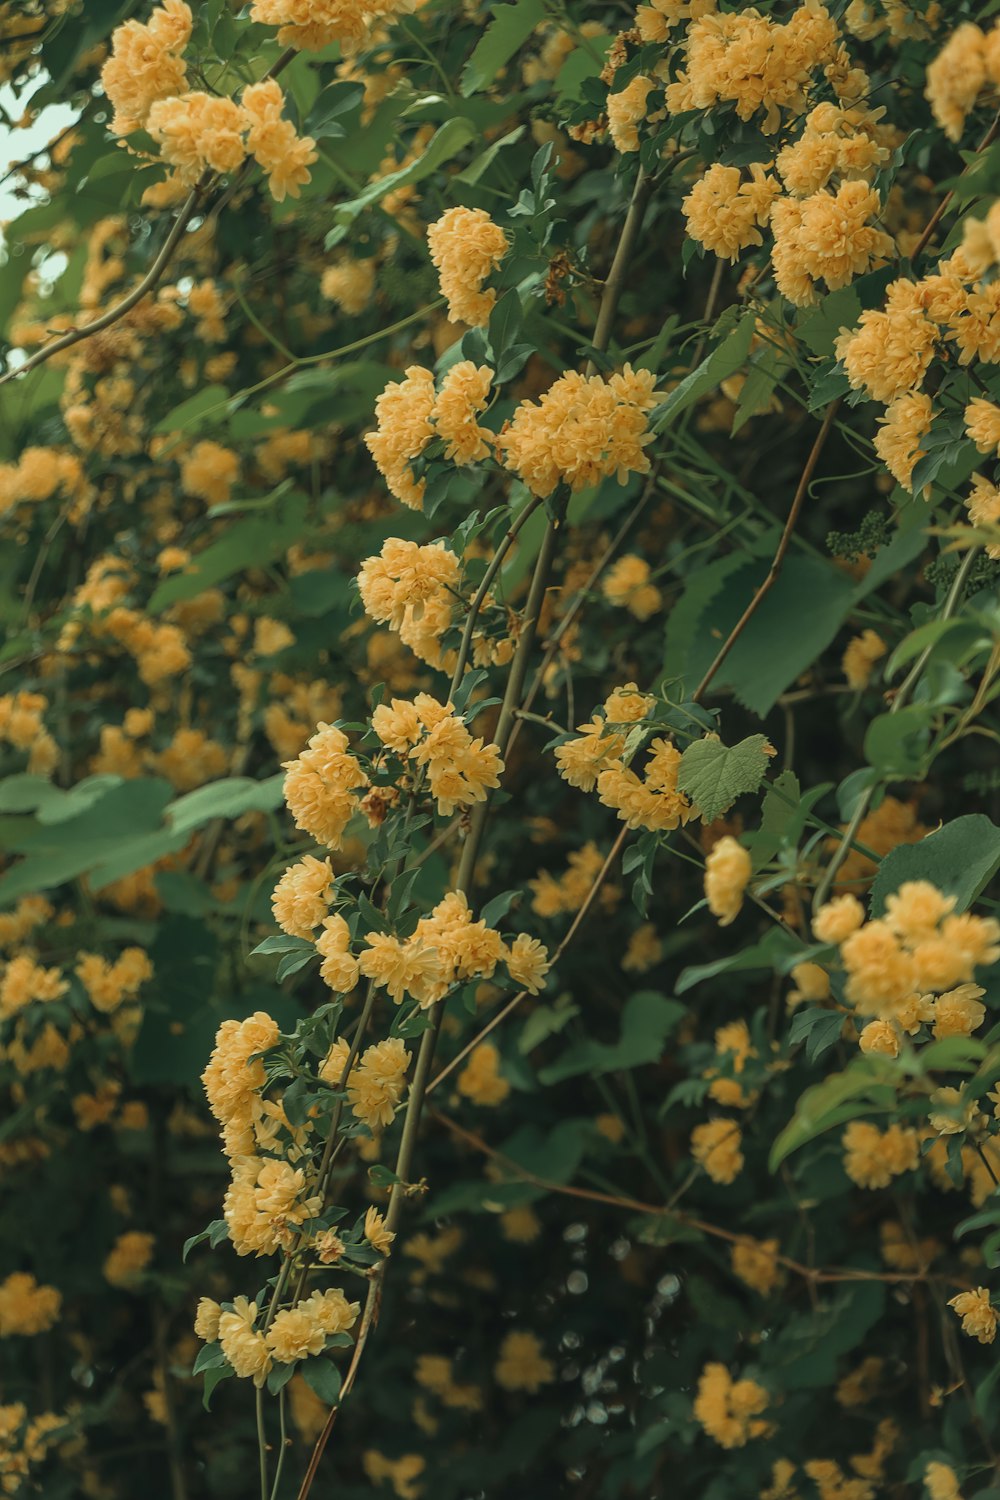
<point x="778" y="559"/>
<point x="941" y="209"/>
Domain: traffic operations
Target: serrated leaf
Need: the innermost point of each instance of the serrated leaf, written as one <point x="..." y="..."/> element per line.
<point x="713" y="775"/>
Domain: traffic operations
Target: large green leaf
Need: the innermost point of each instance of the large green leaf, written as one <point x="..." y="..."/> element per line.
<point x="509" y="27"/>
<point x="446" y="142"/>
<point x="646" y="1021"/>
<point x="960" y="858"/>
<point x="245" y="544"/>
<point x="859" y="1090"/>
<point x="713" y="775"/>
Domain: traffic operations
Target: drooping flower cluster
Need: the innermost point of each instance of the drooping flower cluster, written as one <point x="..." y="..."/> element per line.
<point x="730" y="1410"/>
<point x="727" y="873"/>
<point x="145" y="79"/>
<point x="310" y="25"/>
<point x="460" y="769"/>
<point x="410" y="415"/>
<point x="322" y="785"/>
<point x="466" y="247"/>
<point x="912" y="967"/>
<point x="412" y="589"/>
<point x="596" y="760"/>
<point x="446" y="948"/>
<point x="968" y="64"/>
<point x="582" y="430"/>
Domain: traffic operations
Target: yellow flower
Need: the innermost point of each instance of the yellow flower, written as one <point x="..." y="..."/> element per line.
<point x="481" y="1080"/>
<point x="527" y="962"/>
<point x="144" y="64"/>
<point x="979" y="1317"/>
<point x="128" y="1258"/>
<point x="466" y="246"/>
<point x="583" y="429"/>
<point x="25" y="1307"/>
<point x="715" y="1146"/>
<point x="301" y="897"/>
<point x="862" y="652"/>
<point x="206" y="1323"/>
<point x="727" y="873"/>
<point x="723" y="212"/>
<point x="522" y="1365"/>
<point x="274" y="142"/>
<point x="376" y="1233"/>
<point x="626" y="110"/>
<point x="727" y="1409"/>
<point x="245" y="1348"/>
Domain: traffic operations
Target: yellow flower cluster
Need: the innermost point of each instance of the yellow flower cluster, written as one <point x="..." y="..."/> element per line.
<point x="144" y="79"/>
<point x="409" y="415"/>
<point x="727" y="874"/>
<point x="232" y="1082"/>
<point x="22" y="728"/>
<point x="350" y="284"/>
<point x="983" y="503"/>
<point x="209" y="472"/>
<point x="729" y="1410"/>
<point x="25" y="1307"/>
<point x="521" y="1365"/>
<point x="310" y="25"/>
<point x="145" y="64"/>
<point x="301" y="899"/>
<point x="626" y="585"/>
<point x="827" y="237"/>
<point x="266" y="1202"/>
<point x="466" y="247"/>
<point x="322" y="784"/>
<point x="446" y="948"/>
<point x="723" y="212"/>
<point x="198" y="132"/>
<point x="39" y="474"/>
<point x="460" y="769"/>
<point x="715" y="1146"/>
<point x="412" y="590"/>
<point x="552" y="896"/>
<point x="897" y="964"/>
<point x="838" y="141"/>
<point x="128" y="1258"/>
<point x="860" y="656"/>
<point x="481" y="1081"/>
<point x="582" y="430"/>
<point x="758" y="65"/>
<point x="873" y="1157"/>
<point x="375" y="1084"/>
<point x="626" y="110"/>
<point x="110" y="985"/>
<point x="968" y="63"/>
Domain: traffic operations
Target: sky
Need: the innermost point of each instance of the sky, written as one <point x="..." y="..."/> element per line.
<point x="15" y="145"/>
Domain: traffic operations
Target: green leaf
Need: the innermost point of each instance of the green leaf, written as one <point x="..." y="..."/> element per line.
<point x="896" y="744"/>
<point x="209" y="1357"/>
<point x="820" y="1029"/>
<point x="212" y="1379"/>
<point x="509" y="28"/>
<point x="860" y="1089"/>
<point x="713" y="775"/>
<point x="283" y="943"/>
<point x="228" y="798"/>
<point x="647" y="1020"/>
<point x="819" y="327"/>
<point x="481" y="163"/>
<point x="725" y="360"/>
<point x="322" y="1376"/>
<point x="960" y="858"/>
<point x="767" y="954"/>
<point x="207" y="408"/>
<point x="447" y="141"/>
<point x="246" y="544"/>
<point x="546" y="1021"/>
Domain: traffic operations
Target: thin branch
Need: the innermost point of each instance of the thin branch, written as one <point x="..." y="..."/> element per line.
<point x="864" y="802"/>
<point x="778" y="559"/>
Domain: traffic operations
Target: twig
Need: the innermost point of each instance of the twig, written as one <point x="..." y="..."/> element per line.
<point x="484" y="588"/>
<point x="899" y="701"/>
<point x="780" y="552"/>
<point x="939" y="212"/>
<point x="120" y="309"/>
